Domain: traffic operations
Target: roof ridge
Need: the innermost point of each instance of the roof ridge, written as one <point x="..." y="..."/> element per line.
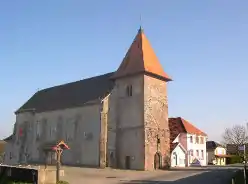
<point x="60" y="85"/>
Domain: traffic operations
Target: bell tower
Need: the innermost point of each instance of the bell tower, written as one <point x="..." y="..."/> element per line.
<point x="142" y="131"/>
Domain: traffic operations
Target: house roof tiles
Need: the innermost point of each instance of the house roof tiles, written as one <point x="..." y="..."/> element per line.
<point x="185" y="126"/>
<point x="210" y="145"/>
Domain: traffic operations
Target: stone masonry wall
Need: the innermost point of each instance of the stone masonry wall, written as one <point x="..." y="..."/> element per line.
<point x="103" y="132"/>
<point x="156" y="122"/>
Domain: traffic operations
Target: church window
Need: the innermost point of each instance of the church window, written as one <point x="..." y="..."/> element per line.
<point x="111" y="154"/>
<point x="38" y="128"/>
<point x="129" y="90"/>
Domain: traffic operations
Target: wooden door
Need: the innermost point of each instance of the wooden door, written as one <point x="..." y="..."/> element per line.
<point x="157" y="161"/>
<point x="127" y="162"/>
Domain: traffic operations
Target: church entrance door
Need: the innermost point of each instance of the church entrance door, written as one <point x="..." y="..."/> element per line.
<point x="157" y="161"/>
<point x="127" y="162"/>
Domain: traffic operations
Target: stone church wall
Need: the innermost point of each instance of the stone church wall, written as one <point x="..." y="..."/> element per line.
<point x="157" y="136"/>
<point x="78" y="127"/>
<point x="126" y="116"/>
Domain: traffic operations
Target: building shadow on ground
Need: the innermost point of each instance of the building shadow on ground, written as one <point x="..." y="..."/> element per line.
<point x="213" y="177"/>
<point x="191" y="169"/>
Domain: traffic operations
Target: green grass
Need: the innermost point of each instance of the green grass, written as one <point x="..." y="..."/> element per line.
<point x="13" y="182"/>
<point x="63" y="182"/>
<point x="5" y="180"/>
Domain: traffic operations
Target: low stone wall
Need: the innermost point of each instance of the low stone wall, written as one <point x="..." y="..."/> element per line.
<point x="12" y="173"/>
<point x="48" y="176"/>
<point x="28" y="174"/>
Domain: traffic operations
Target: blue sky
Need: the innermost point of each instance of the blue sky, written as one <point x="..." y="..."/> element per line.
<point x="201" y="44"/>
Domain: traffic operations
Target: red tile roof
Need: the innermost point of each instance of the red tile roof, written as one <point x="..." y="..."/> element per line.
<point x="191" y="129"/>
<point x="141" y="58"/>
<point x="187" y="126"/>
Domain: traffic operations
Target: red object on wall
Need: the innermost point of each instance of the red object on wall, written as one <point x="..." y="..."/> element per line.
<point x="20" y="132"/>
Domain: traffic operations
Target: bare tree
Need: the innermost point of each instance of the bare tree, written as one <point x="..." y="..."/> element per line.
<point x="237" y="135"/>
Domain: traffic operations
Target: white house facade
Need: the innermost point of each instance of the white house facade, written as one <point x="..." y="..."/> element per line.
<point x="178" y="156"/>
<point x="196" y="147"/>
<point x="189" y="140"/>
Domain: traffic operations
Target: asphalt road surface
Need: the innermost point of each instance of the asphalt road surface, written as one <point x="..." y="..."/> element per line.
<point x="208" y="175"/>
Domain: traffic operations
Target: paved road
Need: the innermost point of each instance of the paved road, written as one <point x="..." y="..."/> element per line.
<point x="213" y="175"/>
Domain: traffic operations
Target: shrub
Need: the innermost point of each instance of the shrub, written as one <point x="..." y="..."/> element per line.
<point x="63" y="182"/>
<point x="236" y="159"/>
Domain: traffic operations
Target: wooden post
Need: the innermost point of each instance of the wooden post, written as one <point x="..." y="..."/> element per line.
<point x="244" y="166"/>
<point x="45" y="159"/>
<point x="59" y="152"/>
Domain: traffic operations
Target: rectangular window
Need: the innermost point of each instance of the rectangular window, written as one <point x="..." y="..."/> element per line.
<point x="191" y="139"/>
<point x="129" y="90"/>
<point x="197" y="153"/>
<point x="202" y="154"/>
<point x="202" y="140"/>
<point x="197" y="140"/>
<point x="38" y="128"/>
<point x="191" y="153"/>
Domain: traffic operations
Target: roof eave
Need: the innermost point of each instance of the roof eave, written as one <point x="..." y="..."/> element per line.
<point x="180" y="145"/>
<point x="8" y="138"/>
<point x="163" y="78"/>
<point x="32" y="110"/>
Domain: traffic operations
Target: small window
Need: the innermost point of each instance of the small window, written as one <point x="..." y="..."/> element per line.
<point x="202" y="154"/>
<point x="191" y="139"/>
<point x="197" y="140"/>
<point x="191" y="153"/>
<point x="129" y="90"/>
<point x="197" y="153"/>
<point x="111" y="154"/>
<point x="201" y="140"/>
<point x="158" y="140"/>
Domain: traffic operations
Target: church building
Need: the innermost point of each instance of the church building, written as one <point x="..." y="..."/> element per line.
<point x="119" y="119"/>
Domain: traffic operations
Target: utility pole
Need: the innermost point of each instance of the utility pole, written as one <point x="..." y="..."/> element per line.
<point x="244" y="165"/>
<point x="245" y="155"/>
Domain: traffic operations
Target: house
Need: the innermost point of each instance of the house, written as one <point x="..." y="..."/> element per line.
<point x="216" y="153"/>
<point x="2" y="147"/>
<point x="188" y="144"/>
<point x="118" y="119"/>
<point x="234" y="149"/>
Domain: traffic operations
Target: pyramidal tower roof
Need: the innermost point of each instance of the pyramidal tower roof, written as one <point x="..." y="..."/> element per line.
<point x="141" y="58"/>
